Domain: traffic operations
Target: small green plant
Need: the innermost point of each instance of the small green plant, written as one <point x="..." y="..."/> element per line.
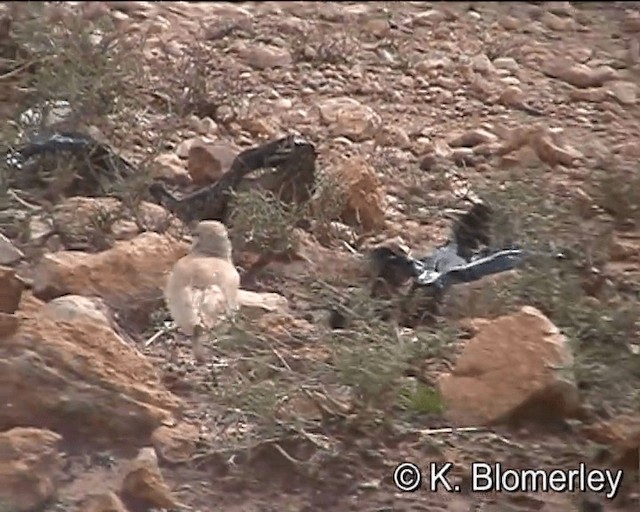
<point x="74" y="74"/>
<point x="199" y="82"/>
<point x="416" y="397"/>
<point x="372" y="357"/>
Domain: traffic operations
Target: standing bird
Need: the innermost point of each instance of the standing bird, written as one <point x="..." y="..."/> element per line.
<point x="203" y="285"/>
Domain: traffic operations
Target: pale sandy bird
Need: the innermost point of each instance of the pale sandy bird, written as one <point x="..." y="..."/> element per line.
<point x="203" y="285"/>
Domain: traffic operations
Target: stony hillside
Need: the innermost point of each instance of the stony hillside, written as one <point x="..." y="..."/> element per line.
<point x="396" y="117"/>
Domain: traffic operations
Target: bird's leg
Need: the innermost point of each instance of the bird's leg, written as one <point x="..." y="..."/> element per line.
<point x="196" y="341"/>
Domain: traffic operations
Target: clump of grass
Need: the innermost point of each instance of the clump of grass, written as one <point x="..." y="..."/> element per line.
<point x="326" y="206"/>
<point x="78" y="73"/>
<point x="86" y="63"/>
<point x="319" y="48"/>
<point x="416" y="397"/>
<point x="262" y="222"/>
<point x="73" y="73"/>
<point x="616" y="189"/>
<point x="372" y="357"/>
<point x="356" y="376"/>
<point x="199" y="83"/>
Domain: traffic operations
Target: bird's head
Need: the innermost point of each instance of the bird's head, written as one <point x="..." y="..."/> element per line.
<point x="211" y="238"/>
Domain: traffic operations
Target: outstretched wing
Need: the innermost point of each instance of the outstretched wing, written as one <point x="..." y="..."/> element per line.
<point x="461" y="259"/>
<point x="499" y="261"/>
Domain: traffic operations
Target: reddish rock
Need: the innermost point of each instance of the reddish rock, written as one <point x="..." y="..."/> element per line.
<point x="128" y="277"/>
<point x="80" y="378"/>
<point x="515" y="366"/>
<point x="144" y="485"/>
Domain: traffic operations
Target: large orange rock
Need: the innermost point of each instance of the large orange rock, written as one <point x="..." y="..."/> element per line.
<point x="79" y="378"/>
<point x="129" y="277"/>
<point x="364" y="193"/>
<point x="516" y="366"/>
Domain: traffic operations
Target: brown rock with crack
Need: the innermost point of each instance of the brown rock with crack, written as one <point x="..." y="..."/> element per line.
<point x="169" y="167"/>
<point x="129" y="277"/>
<point x="143" y="484"/>
<point x="177" y="443"/>
<point x="516" y="367"/>
<point x="30" y="467"/>
<point x="79" y="378"/>
<point x="206" y="163"/>
<point x="579" y="75"/>
<point x="348" y="117"/>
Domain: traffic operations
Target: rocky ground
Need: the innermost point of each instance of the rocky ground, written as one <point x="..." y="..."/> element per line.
<point x="413" y="105"/>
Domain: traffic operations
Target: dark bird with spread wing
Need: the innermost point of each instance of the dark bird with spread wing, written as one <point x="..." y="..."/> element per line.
<point x="465" y="257"/>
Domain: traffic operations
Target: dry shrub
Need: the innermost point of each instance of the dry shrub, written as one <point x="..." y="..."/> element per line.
<point x="322" y="48"/>
<point x="564" y="277"/>
<point x="262" y="222"/>
<point x="77" y="73"/>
